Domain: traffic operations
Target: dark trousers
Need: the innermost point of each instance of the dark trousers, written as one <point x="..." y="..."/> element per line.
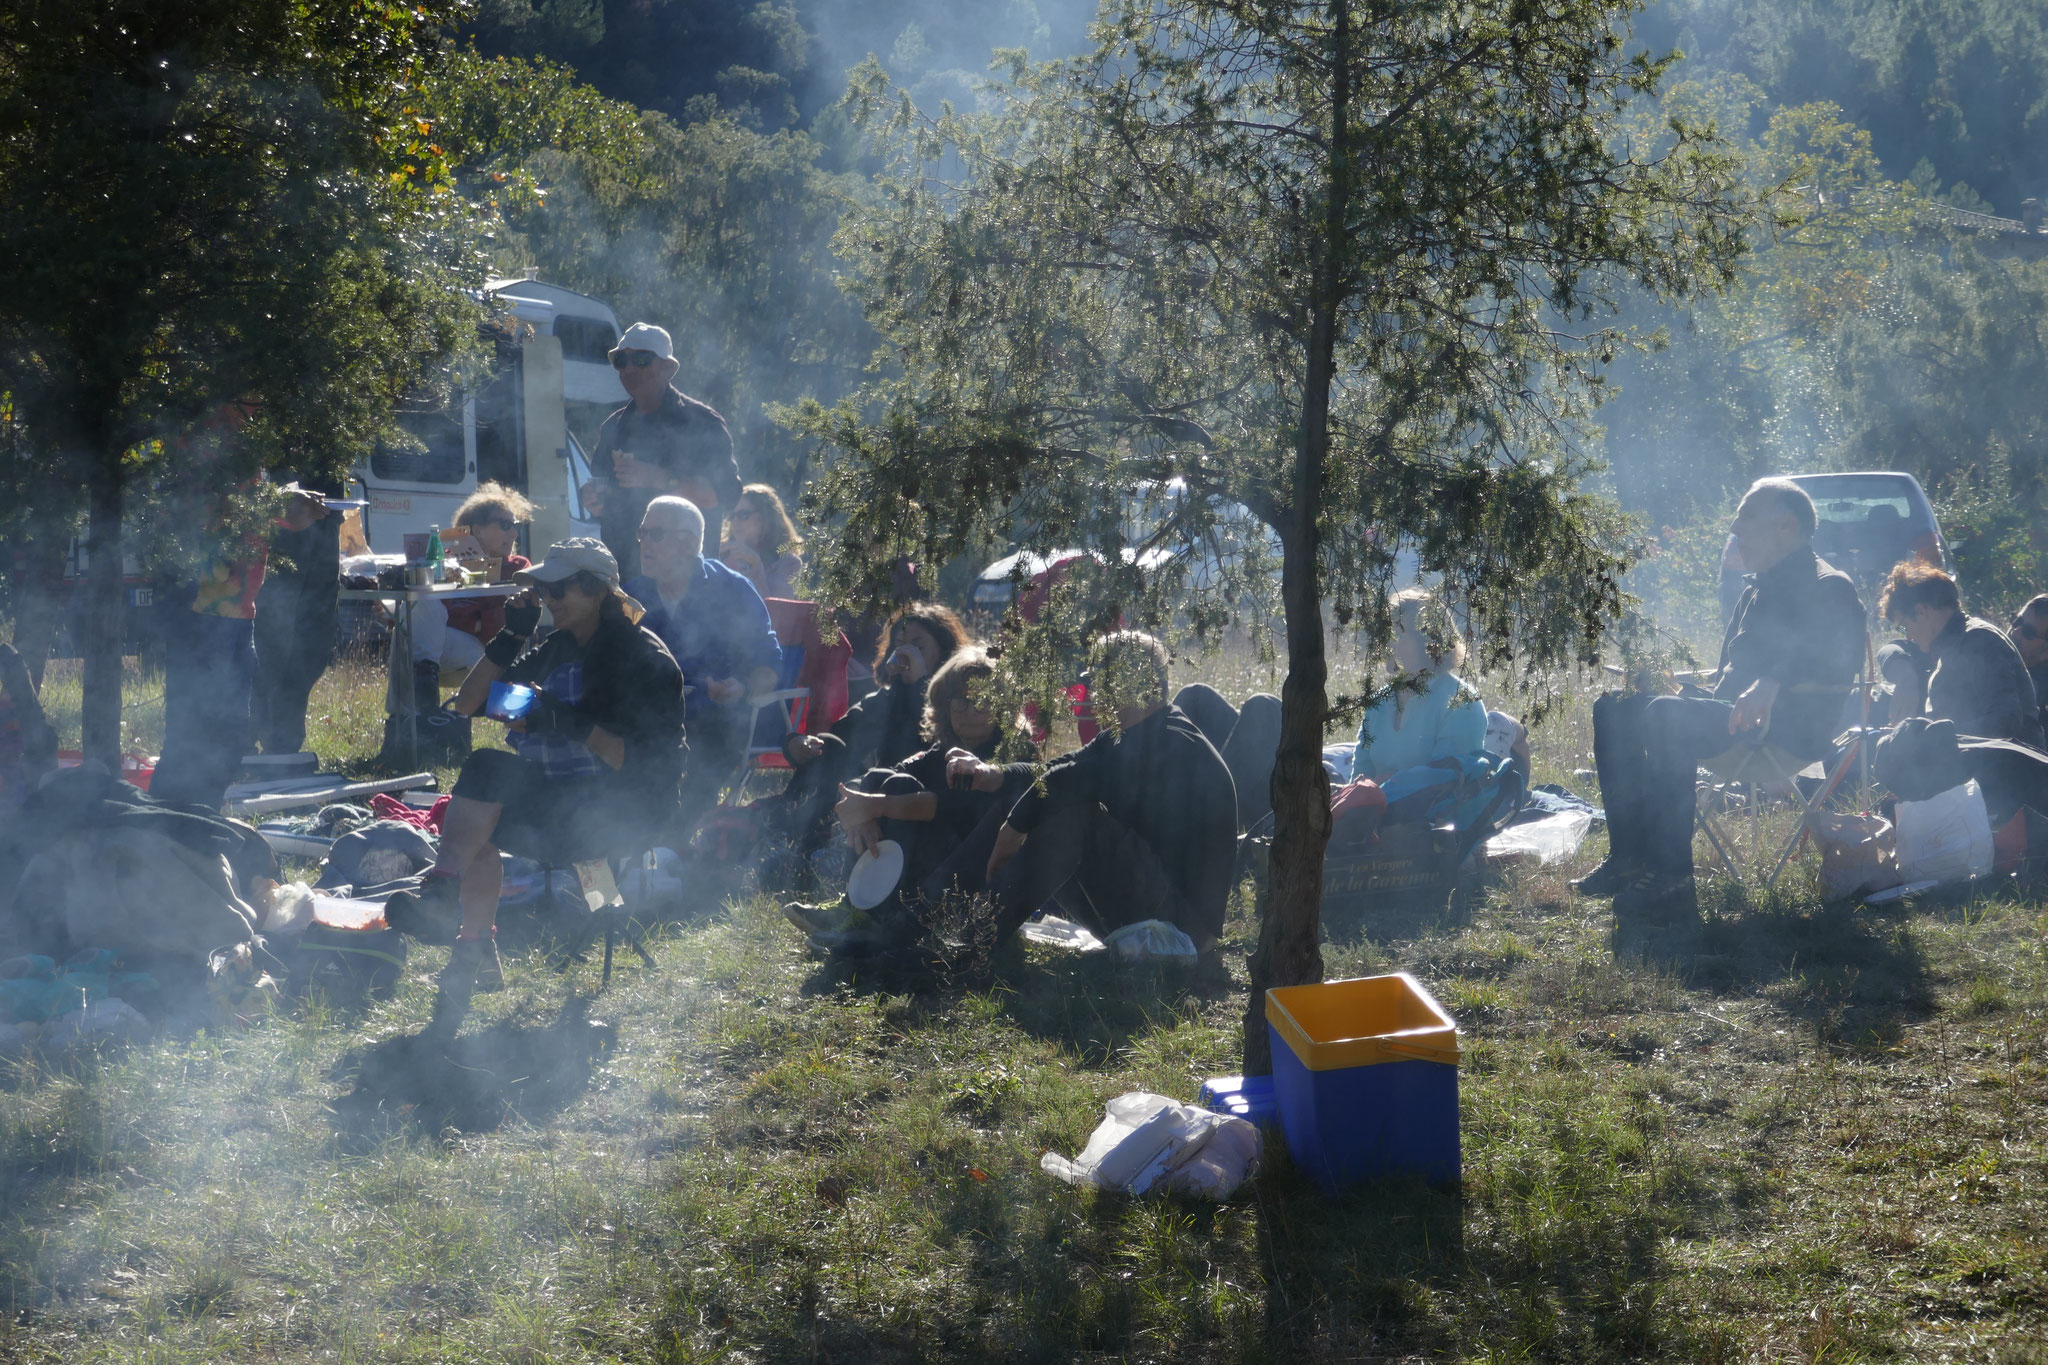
<point x="939" y="857"/>
<point x="1648" y="751"/>
<point x="803" y="812"/>
<point x="1098" y="871"/>
<point x="1247" y="736"/>
<point x="717" y="737"/>
<point x="209" y="671"/>
<point x="290" y="657"/>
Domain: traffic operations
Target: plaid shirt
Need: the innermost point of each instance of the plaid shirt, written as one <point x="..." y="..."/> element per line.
<point x="558" y="755"/>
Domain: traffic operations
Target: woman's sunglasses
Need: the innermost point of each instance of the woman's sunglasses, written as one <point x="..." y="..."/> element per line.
<point x="502" y="523"/>
<point x="639" y="360"/>
<point x="555" y="591"/>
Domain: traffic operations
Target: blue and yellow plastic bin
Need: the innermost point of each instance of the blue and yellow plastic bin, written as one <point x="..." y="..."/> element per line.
<point x="1365" y="1076"/>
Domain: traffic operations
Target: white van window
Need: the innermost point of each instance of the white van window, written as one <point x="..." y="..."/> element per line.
<point x="442" y="461"/>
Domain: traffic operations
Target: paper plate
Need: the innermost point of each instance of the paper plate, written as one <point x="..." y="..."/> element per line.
<point x="875" y="875"/>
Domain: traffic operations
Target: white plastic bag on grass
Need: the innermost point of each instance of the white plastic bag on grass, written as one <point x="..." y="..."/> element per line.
<point x="1151" y="940"/>
<point x="1548" y="840"/>
<point x="1946" y="838"/>
<point x="1055" y="932"/>
<point x="1149" y="1142"/>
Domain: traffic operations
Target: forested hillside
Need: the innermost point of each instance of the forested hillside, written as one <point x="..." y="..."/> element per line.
<point x="1870" y="330"/>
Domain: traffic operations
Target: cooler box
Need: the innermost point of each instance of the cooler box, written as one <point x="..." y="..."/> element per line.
<point x="1365" y="1077"/>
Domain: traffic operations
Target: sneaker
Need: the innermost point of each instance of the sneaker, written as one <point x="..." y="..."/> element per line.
<point x="485" y="966"/>
<point x="1606" y="879"/>
<point x="452" y="992"/>
<point x="836" y="918"/>
<point x="856" y="933"/>
<point x="431" y="914"/>
<point x="1658" y="890"/>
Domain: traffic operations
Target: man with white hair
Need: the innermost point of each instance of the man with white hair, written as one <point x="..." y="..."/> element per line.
<point x="1786" y="661"/>
<point x="663" y="441"/>
<point x="718" y="629"/>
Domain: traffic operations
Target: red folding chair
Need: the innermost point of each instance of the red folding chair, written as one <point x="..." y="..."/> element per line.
<point x="812" y="696"/>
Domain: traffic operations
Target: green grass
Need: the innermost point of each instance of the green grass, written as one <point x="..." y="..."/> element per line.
<point x="1787" y="1133"/>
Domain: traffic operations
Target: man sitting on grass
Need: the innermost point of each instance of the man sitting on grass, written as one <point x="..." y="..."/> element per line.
<point x="595" y="773"/>
<point x="1140" y="823"/>
<point x="1786" y="662"/>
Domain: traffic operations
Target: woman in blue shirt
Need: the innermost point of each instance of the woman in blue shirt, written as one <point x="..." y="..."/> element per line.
<point x="1406" y="729"/>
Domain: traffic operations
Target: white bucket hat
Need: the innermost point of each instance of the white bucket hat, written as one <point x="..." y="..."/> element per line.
<point x="645" y="336"/>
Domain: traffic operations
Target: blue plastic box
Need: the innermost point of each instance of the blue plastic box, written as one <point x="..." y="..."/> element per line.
<point x="1365" y="1078"/>
<point x="1245" y="1097"/>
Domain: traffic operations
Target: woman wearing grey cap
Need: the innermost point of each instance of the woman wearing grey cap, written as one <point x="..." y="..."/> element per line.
<point x="598" y="755"/>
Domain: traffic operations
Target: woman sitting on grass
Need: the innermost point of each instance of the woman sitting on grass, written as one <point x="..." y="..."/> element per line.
<point x="878" y="731"/>
<point x="1407" y="728"/>
<point x="942" y="806"/>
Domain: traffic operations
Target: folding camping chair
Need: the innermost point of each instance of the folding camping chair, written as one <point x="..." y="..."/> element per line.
<point x="1764" y="770"/>
<point x="810" y="691"/>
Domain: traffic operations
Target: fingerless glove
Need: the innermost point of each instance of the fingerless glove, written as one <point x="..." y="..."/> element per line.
<point x="504" y="648"/>
<point x="553" y="716"/>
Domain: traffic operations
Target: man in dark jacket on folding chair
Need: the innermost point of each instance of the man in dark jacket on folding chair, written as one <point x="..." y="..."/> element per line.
<point x="1789" y="654"/>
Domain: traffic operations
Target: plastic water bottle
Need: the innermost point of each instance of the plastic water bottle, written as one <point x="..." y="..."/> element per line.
<point x="436" y="556"/>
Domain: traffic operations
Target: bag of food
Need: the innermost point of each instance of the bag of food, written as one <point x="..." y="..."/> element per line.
<point x="1857" y="854"/>
<point x="1148" y="1142"/>
<point x="1946" y="838"/>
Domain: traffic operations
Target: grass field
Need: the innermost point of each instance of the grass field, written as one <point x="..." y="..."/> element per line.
<point x="1784" y="1132"/>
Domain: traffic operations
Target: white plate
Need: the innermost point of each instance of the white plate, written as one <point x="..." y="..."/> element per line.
<point x="875" y="875"/>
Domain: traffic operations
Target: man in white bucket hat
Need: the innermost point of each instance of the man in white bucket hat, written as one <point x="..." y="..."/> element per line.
<point x="662" y="442"/>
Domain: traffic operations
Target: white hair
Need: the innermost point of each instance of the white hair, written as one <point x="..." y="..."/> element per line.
<point x="692" y="518"/>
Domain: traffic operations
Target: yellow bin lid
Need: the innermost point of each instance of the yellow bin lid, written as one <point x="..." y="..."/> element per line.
<point x="1362" y="1022"/>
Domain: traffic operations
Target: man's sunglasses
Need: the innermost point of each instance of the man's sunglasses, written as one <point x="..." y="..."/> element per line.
<point x="655" y="535"/>
<point x="502" y="523"/>
<point x="639" y="360"/>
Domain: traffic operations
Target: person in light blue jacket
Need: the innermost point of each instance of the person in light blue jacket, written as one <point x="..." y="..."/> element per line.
<point x="1406" y="729"/>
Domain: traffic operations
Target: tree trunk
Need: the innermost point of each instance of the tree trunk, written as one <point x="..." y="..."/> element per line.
<point x="100" y="642"/>
<point x="1290" y="932"/>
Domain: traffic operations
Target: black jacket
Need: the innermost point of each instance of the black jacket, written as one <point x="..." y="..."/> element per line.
<point x="1980" y="683"/>
<point x="878" y="731"/>
<point x="962" y="808"/>
<point x="683" y="436"/>
<point x="632" y="689"/>
<point x="1799" y="623"/>
<point x="1921" y="758"/>
<point x="1165" y="782"/>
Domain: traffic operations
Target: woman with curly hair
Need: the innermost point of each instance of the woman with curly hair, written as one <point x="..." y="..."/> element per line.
<point x="942" y="805"/>
<point x="878" y="731"/>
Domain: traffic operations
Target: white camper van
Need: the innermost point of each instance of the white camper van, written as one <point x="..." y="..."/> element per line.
<point x="529" y="426"/>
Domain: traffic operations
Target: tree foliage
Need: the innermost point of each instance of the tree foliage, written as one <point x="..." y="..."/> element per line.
<point x="1961" y="85"/>
<point x="224" y="214"/>
<point x="1351" y="266"/>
